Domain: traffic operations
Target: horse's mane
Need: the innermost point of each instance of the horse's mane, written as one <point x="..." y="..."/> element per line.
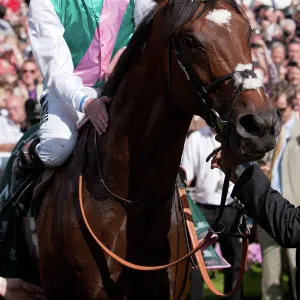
<point x="178" y="13"/>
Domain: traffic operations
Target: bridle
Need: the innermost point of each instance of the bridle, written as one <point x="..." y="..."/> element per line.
<point x="222" y="127"/>
<point x="213" y="118"/>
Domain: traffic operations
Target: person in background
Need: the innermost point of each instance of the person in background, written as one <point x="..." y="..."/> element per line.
<point x="293" y="51"/>
<point x="209" y="186"/>
<point x="296" y="104"/>
<point x="254" y="194"/>
<point x="5" y="92"/>
<point x="12" y="125"/>
<point x="293" y="73"/>
<point x="5" y="27"/>
<point x="278" y="53"/>
<point x="289" y="30"/>
<point x="285" y="181"/>
<point x="296" y="18"/>
<point x="263" y="59"/>
<point x="28" y="86"/>
<point x="13" y="5"/>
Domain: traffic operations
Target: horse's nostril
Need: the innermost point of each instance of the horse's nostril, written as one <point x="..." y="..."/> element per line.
<point x="250" y="125"/>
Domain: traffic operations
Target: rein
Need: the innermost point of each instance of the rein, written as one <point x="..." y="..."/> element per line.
<point x="126" y="263"/>
<point x="199" y="256"/>
<point x="185" y="209"/>
<point x="202" y="244"/>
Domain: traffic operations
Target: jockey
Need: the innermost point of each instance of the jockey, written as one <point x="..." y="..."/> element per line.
<point x="76" y="44"/>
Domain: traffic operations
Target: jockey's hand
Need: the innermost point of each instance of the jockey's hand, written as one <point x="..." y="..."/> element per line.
<point x="97" y="111"/>
<point x="17" y="289"/>
<point x="226" y="159"/>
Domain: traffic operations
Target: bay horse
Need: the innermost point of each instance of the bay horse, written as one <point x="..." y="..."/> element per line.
<point x="186" y="58"/>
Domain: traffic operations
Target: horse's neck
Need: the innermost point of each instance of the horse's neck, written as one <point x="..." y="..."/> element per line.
<point x="147" y="130"/>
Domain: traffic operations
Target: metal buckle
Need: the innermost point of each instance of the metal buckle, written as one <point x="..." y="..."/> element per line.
<point x="217" y="228"/>
<point x="244" y="233"/>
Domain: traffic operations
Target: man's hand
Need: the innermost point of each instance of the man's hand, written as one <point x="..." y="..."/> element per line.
<point x="266" y="168"/>
<point x="97" y="112"/>
<point x="17" y="289"/>
<point x="226" y="159"/>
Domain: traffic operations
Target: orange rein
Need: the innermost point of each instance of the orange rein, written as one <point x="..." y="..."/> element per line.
<point x="196" y="244"/>
<point x="199" y="257"/>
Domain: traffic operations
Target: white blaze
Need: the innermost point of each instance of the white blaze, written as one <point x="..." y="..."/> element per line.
<point x="219" y="16"/>
<point x="248" y="83"/>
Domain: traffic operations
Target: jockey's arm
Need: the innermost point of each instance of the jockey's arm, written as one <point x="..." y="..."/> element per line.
<point x="52" y="54"/>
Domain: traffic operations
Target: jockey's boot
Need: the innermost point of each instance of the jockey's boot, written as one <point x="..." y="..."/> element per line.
<point x="26" y="164"/>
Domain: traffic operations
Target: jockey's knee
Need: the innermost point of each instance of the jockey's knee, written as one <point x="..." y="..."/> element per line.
<point x="55" y="152"/>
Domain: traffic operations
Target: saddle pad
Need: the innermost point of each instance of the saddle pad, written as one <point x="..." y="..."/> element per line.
<point x="211" y="258"/>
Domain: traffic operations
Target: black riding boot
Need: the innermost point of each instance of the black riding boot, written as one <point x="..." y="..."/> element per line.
<point x="26" y="164"/>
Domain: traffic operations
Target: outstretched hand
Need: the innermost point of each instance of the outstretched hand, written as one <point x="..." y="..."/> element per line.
<point x="226" y="159"/>
<point x="97" y="111"/>
<point x="17" y="289"/>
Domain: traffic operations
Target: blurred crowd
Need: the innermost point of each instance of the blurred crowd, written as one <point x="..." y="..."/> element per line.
<point x="20" y="79"/>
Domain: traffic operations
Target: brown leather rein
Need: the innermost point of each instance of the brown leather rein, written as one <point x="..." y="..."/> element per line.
<point x="197" y="245"/>
<point x="126" y="263"/>
<point x="199" y="256"/>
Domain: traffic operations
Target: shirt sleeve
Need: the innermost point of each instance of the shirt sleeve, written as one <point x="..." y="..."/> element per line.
<point x="190" y="156"/>
<point x="52" y="53"/>
<point x="141" y="8"/>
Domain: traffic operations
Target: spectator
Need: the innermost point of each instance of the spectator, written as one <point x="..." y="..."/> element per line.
<point x="282" y="71"/>
<point x="296" y="18"/>
<point x="278" y="53"/>
<point x="28" y="86"/>
<point x="5" y="27"/>
<point x="14" y="5"/>
<point x="12" y="125"/>
<point x="264" y="61"/>
<point x="289" y="30"/>
<point x="293" y="51"/>
<point x="5" y="92"/>
<point x="296" y="103"/>
<point x="293" y="73"/>
<point x="277" y="168"/>
<point x="208" y="194"/>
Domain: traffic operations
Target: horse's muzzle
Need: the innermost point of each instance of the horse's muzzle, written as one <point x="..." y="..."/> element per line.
<point x="255" y="134"/>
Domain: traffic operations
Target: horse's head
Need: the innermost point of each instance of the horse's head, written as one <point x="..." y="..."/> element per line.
<point x="209" y="54"/>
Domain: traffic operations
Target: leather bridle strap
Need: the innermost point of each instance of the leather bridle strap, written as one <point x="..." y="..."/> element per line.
<point x="126" y="263"/>
<point x="199" y="257"/>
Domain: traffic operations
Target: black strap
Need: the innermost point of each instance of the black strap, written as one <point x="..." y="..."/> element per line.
<point x="217" y="226"/>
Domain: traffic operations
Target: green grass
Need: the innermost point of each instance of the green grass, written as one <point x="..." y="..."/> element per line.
<point x="251" y="285"/>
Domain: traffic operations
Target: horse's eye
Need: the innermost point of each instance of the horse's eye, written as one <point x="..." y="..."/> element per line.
<point x="189" y="41"/>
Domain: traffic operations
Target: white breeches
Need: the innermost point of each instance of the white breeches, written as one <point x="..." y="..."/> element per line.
<point x="58" y="130"/>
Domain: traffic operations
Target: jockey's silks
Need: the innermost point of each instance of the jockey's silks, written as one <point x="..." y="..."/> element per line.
<point x="94" y="31"/>
<point x="74" y="41"/>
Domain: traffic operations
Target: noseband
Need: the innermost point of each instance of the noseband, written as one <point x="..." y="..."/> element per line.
<point x="214" y="120"/>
